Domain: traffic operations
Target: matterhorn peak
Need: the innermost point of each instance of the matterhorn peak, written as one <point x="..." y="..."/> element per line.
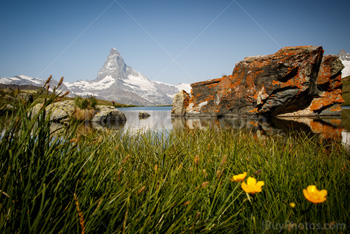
<point x="114" y="51"/>
<point x="114" y="66"/>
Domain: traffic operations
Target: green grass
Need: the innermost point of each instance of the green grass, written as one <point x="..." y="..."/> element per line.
<point x="346" y="90"/>
<point x="163" y="182"/>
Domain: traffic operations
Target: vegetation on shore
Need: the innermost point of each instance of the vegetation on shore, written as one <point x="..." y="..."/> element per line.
<point x="8" y="95"/>
<point x="346" y="91"/>
<point x="180" y="181"/>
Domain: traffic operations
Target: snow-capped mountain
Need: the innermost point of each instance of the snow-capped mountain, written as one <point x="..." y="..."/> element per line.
<point x="115" y="81"/>
<point x="345" y="58"/>
<point x="29" y="81"/>
<point x="121" y="83"/>
<point x="22" y="80"/>
<point x="170" y="90"/>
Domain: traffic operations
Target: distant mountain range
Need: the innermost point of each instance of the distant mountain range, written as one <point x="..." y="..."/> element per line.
<point x="345" y="58"/>
<point x="115" y="81"/>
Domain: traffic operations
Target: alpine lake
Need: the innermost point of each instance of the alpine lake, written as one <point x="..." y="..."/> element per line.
<point x="160" y="120"/>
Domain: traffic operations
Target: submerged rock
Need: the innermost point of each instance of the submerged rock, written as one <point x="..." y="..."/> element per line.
<point x="295" y="81"/>
<point x="143" y="115"/>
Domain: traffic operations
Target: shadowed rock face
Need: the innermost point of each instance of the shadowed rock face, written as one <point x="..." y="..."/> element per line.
<point x="180" y="103"/>
<point x="295" y="81"/>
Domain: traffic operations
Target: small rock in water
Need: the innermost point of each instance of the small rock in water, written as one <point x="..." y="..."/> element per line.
<point x="143" y="115"/>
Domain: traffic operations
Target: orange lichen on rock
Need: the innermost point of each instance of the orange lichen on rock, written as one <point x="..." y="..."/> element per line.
<point x="297" y="80"/>
<point x="329" y="85"/>
<point x="328" y="99"/>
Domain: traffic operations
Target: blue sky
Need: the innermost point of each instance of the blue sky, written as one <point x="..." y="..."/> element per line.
<point x="169" y="41"/>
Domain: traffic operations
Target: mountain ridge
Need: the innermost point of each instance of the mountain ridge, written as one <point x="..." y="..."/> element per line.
<point x="115" y="81"/>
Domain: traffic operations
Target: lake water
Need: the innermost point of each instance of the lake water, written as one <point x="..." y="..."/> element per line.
<point x="160" y="119"/>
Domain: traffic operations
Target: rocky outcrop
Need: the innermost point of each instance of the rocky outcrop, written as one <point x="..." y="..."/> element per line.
<point x="329" y="87"/>
<point x="63" y="111"/>
<point x="295" y="81"/>
<point x="109" y="117"/>
<point x="57" y="111"/>
<point x="180" y="103"/>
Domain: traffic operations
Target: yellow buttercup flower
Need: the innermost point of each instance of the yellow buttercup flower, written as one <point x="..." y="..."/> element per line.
<point x="238" y="178"/>
<point x="252" y="186"/>
<point x="312" y="194"/>
<point x="292" y="204"/>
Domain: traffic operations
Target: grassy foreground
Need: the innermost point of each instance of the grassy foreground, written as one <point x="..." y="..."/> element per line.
<point x="167" y="182"/>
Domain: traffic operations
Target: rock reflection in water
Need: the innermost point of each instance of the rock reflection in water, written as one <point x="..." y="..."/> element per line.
<point x="158" y="120"/>
<point x="324" y="128"/>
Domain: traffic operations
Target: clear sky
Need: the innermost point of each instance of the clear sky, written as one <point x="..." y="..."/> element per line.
<point x="169" y="41"/>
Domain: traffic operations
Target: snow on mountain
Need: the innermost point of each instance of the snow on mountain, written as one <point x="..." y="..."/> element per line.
<point x="137" y="81"/>
<point x="26" y="80"/>
<point x="98" y="85"/>
<point x="115" y="81"/>
<point x="346" y="70"/>
<point x="345" y="58"/>
<point x="184" y="86"/>
<point x="171" y="89"/>
<point x="121" y="83"/>
<point x="22" y="80"/>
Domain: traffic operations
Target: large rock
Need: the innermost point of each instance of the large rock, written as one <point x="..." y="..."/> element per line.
<point x="180" y="103"/>
<point x="143" y="115"/>
<point x="105" y="116"/>
<point x="58" y="111"/>
<point x="109" y="117"/>
<point x="295" y="81"/>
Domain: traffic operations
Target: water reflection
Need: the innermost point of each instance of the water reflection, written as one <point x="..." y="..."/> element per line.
<point x="325" y="128"/>
<point x="160" y="119"/>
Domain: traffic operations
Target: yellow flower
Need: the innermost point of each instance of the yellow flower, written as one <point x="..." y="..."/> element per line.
<point x="292" y="204"/>
<point x="238" y="178"/>
<point x="312" y="194"/>
<point x="252" y="186"/>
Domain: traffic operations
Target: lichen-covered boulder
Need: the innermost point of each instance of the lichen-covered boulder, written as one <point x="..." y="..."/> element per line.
<point x="296" y="81"/>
